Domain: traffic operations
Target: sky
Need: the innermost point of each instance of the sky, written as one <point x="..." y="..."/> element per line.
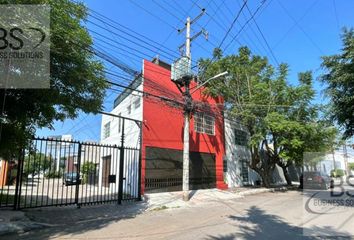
<point x="297" y="33"/>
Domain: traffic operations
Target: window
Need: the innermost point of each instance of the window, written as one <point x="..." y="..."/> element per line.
<point x="107" y="130"/>
<point x="240" y="137"/>
<point x="244" y="170"/>
<point x="204" y="123"/>
<point x="137" y="103"/>
<point x="129" y="109"/>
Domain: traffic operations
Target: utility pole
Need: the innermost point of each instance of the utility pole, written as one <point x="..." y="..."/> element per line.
<point x="182" y="76"/>
<point x="187" y="112"/>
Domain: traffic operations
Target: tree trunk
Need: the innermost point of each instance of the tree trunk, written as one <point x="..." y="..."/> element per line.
<point x="266" y="180"/>
<point x="264" y="166"/>
<point x="284" y="167"/>
<point x="287" y="175"/>
<point x="265" y="176"/>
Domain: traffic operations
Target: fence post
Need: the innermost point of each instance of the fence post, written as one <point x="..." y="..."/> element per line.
<point x="17" y="198"/>
<point x="121" y="167"/>
<point x="78" y="177"/>
<point x="140" y="159"/>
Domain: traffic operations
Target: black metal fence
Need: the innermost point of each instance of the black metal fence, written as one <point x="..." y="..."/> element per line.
<point x="52" y="172"/>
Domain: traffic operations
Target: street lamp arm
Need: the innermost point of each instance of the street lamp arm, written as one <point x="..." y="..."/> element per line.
<point x="212" y="78"/>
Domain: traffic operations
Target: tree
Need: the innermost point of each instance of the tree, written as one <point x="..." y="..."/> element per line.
<point x="88" y="170"/>
<point x="36" y="163"/>
<point x="340" y="80"/>
<point x="279" y="117"/>
<point x="351" y="166"/>
<point x="77" y="82"/>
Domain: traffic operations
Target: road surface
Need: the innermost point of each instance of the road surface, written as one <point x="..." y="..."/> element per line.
<point x="277" y="215"/>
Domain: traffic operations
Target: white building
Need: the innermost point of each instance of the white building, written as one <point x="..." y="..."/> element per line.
<point x="238" y="156"/>
<point x="339" y="157"/>
<point x="129" y="104"/>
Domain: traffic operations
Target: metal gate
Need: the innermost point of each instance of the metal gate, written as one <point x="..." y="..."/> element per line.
<point x="53" y="172"/>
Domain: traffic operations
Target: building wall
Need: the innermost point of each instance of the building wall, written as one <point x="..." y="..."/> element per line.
<point x="131" y="138"/>
<point x="131" y="129"/>
<point x="326" y="163"/>
<point x="235" y="154"/>
<point x="163" y="122"/>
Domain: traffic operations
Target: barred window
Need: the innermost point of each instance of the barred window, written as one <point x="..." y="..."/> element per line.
<point x="240" y="137"/>
<point x="244" y="170"/>
<point x="107" y="130"/>
<point x="204" y="123"/>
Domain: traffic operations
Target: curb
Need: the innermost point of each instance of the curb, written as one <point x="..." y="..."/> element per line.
<point x="264" y="190"/>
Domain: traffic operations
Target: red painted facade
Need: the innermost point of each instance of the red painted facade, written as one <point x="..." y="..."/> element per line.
<point x="163" y="122"/>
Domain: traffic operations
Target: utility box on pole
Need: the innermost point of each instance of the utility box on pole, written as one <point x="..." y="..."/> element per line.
<point x="181" y="69"/>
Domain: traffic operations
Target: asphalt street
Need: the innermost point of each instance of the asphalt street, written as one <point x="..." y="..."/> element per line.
<point x="279" y="215"/>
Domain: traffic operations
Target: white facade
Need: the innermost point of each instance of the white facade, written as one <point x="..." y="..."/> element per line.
<point x="337" y="157"/>
<point x="128" y="104"/>
<point x="131" y="107"/>
<point x="237" y="157"/>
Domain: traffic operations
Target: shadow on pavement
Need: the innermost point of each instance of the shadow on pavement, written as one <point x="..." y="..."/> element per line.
<point x="256" y="224"/>
<point x="72" y="220"/>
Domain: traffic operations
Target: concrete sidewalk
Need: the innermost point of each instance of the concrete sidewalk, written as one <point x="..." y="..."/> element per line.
<point x="31" y="219"/>
<point x="17" y="222"/>
<point x="157" y="201"/>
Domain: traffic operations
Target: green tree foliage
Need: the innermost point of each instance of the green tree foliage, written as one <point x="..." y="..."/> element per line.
<point x="281" y="121"/>
<point x="351" y="166"/>
<point x="337" y="173"/>
<point x="340" y="80"/>
<point x="88" y="170"/>
<point x="36" y="163"/>
<point x="77" y="81"/>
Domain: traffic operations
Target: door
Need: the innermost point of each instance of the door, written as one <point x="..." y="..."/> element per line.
<point x="106" y="169"/>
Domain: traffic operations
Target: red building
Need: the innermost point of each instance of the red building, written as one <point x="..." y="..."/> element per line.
<point x="162" y="144"/>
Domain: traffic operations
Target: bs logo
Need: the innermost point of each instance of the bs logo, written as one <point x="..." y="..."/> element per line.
<point x="14" y="38"/>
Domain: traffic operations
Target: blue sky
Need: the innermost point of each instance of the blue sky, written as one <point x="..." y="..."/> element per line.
<point x="298" y="32"/>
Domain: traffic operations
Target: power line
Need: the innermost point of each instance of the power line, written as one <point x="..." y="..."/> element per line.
<point x="169" y="12"/>
<point x="233" y="23"/>
<point x="226" y="34"/>
<point x="253" y="31"/>
<point x="186" y="14"/>
<point x="154" y="15"/>
<point x="336" y="14"/>
<point x="265" y="40"/>
<point x="223" y="27"/>
<point x="141" y="37"/>
<point x="301" y="28"/>
<point x="135" y="42"/>
<point x="252" y="16"/>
